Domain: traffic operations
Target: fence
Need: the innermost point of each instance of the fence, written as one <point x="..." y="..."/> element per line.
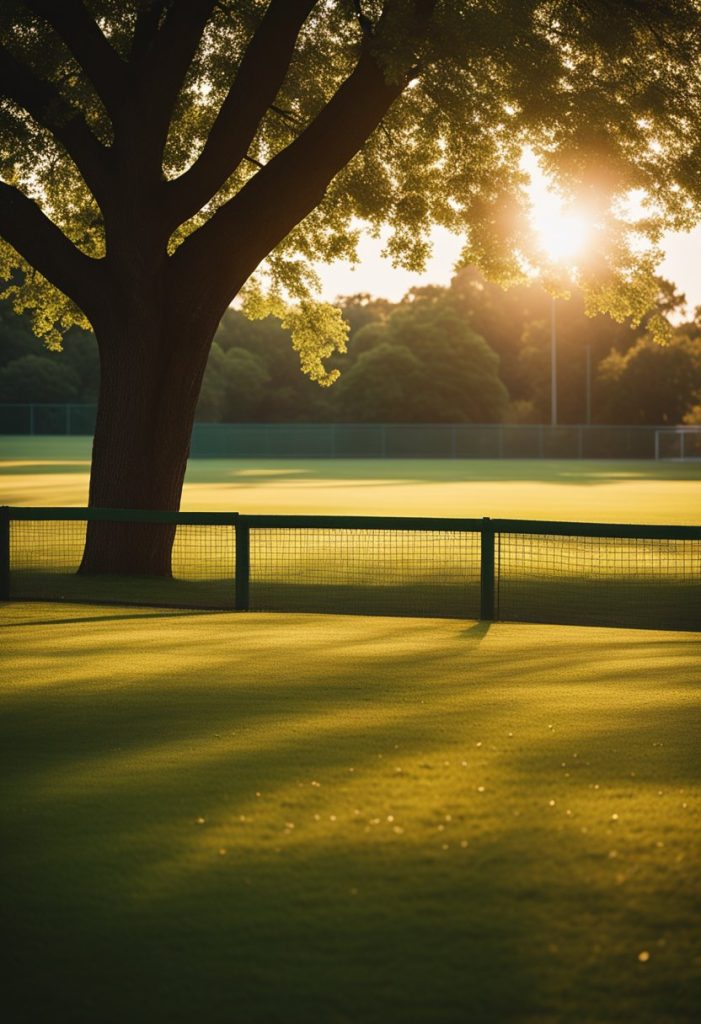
<point x="365" y="440"/>
<point x="47" y="418"/>
<point x="511" y="570"/>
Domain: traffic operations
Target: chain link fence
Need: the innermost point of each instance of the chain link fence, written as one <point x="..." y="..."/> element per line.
<point x="366" y="440"/>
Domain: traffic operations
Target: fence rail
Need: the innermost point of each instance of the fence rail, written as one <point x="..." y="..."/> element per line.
<point x="507" y="569"/>
<point x="366" y="440"/>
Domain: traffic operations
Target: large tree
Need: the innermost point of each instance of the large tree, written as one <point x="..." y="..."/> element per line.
<point x="154" y="153"/>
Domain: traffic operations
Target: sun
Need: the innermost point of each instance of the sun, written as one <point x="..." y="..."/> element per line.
<point x="563" y="235"/>
<point x="561" y="232"/>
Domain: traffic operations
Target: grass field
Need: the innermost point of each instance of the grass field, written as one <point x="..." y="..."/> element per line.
<point x="298" y="818"/>
<point x="282" y="819"/>
<point x="54" y="471"/>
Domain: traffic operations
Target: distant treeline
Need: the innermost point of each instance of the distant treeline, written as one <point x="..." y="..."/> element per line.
<point x="470" y="352"/>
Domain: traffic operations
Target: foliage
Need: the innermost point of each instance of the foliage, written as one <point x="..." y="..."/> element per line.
<point x="317" y="329"/>
<point x="693" y="416"/>
<point x="35" y="378"/>
<point x="651" y="383"/>
<point x="452" y="376"/>
<point x="234" y="384"/>
<point x="433" y="334"/>
<point x="602" y="92"/>
<point x="383" y="385"/>
<point x="29" y="373"/>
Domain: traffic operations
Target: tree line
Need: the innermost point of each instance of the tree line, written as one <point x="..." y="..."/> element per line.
<point x="469" y="352"/>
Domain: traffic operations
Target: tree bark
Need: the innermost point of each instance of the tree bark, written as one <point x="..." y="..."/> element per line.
<point x="150" y="381"/>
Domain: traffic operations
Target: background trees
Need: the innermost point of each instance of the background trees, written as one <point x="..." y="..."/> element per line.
<point x="650" y="383"/>
<point x="423" y="364"/>
<point x="471" y="352"/>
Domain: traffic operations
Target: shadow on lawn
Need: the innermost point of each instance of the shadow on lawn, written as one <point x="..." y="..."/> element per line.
<point x="385" y="472"/>
<point x="100" y="616"/>
<point x="163" y="746"/>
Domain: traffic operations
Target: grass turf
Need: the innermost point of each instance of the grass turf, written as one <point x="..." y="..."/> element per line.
<point x="54" y="471"/>
<point x="149" y="882"/>
<point x="269" y="818"/>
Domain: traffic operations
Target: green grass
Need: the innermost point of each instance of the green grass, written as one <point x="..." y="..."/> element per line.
<point x="262" y="819"/>
<point x="54" y="471"/>
<point x="282" y="819"/>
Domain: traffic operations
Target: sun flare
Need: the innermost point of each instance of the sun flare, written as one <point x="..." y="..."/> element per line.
<point x="561" y="234"/>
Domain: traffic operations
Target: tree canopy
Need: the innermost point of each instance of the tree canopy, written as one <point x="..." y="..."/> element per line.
<point x="203" y="126"/>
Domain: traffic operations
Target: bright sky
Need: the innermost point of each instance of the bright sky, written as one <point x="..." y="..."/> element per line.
<point x="377" y="276"/>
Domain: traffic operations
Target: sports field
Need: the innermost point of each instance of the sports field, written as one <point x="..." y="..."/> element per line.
<point x="54" y="471"/>
<point x="288" y="818"/>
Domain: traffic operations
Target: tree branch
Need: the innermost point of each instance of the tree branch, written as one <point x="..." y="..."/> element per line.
<point x="364" y="22"/>
<point x="213" y="263"/>
<point x="76" y="27"/>
<point x="37" y="239"/>
<point x="146" y="28"/>
<point x="288" y="188"/>
<point x="160" y="72"/>
<point x="257" y="82"/>
<point x="68" y="126"/>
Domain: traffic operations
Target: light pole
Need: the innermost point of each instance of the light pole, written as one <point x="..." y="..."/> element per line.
<point x="553" y="364"/>
<point x="588" y="385"/>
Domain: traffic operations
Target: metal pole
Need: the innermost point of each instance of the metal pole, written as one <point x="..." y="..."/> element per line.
<point x="553" y="364"/>
<point x="588" y="385"/>
<point x="4" y="554"/>
<point x="243" y="567"/>
<point x="487" y="571"/>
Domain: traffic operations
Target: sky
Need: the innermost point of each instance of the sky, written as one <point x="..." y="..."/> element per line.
<point x="376" y="275"/>
<point x="560" y="232"/>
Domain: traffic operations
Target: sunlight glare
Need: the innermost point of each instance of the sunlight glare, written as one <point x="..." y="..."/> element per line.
<point x="561" y="231"/>
<point x="562" y="235"/>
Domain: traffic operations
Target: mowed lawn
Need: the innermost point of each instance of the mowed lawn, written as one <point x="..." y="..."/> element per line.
<point x="54" y="471"/>
<point x="282" y="819"/>
<point x="267" y="818"/>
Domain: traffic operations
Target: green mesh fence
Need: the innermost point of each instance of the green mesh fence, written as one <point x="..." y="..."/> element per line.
<point x="47" y="418"/>
<point x="576" y="573"/>
<point x="366" y="440"/>
<point x="607" y="581"/>
<point x="366" y="571"/>
<point x="46" y="554"/>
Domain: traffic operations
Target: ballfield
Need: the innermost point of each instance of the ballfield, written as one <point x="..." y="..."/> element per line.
<point x="264" y="818"/>
<point x="55" y="471"/>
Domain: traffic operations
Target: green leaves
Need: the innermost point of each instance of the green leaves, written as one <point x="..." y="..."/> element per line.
<point x="608" y="96"/>
<point x="317" y="328"/>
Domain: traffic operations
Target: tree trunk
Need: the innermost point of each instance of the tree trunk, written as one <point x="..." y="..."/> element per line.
<point x="149" y="384"/>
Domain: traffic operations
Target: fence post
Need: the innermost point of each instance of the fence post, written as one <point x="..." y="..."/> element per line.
<point x="487" y="570"/>
<point x="243" y="566"/>
<point x="4" y="554"/>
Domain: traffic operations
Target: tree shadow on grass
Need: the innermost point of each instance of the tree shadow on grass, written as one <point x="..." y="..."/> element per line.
<point x="161" y="747"/>
<point x="99" y="616"/>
